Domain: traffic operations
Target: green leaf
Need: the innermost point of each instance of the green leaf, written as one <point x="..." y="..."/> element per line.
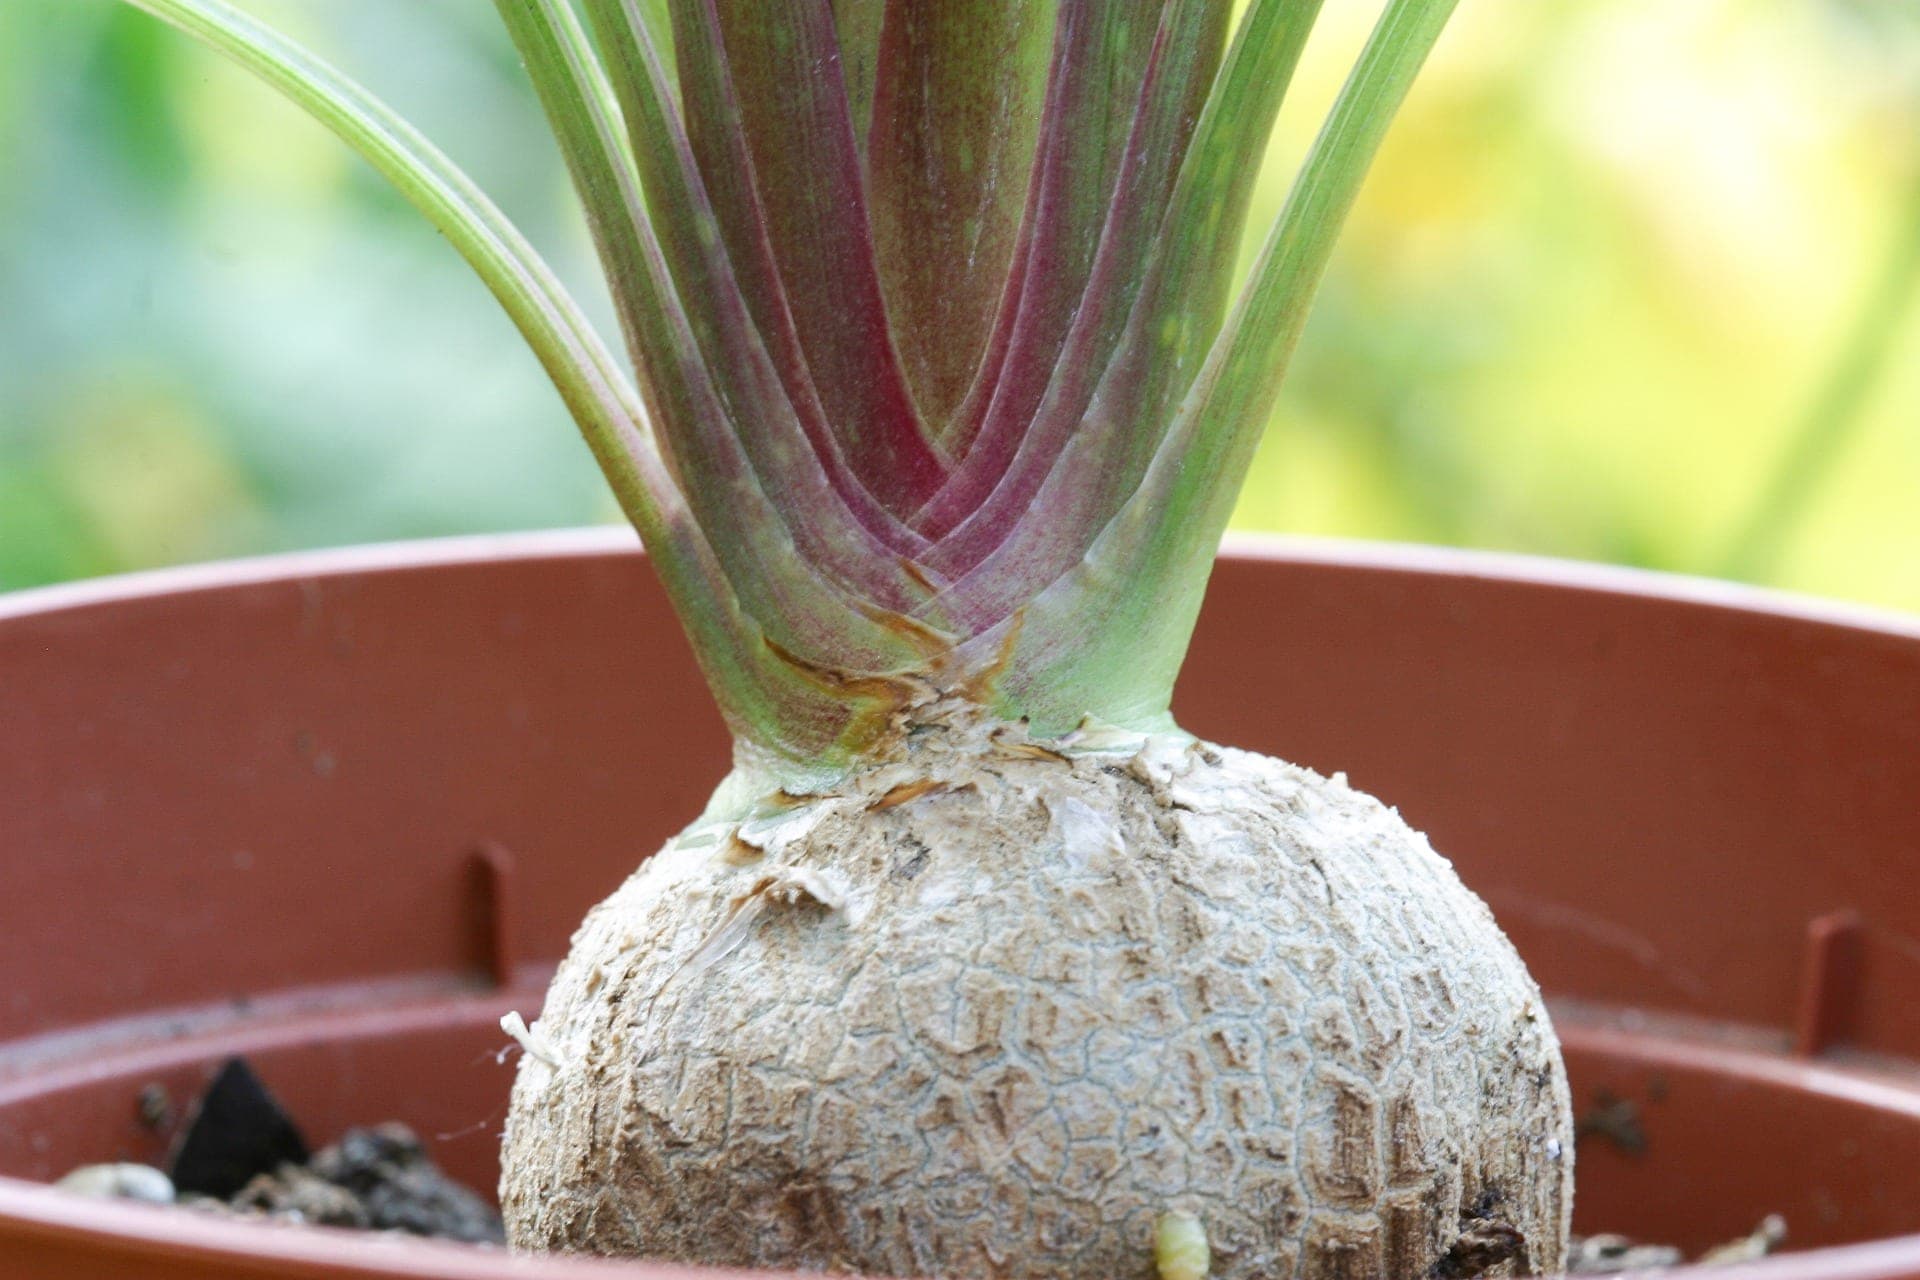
<point x="1147" y="224"/>
<point x="767" y="116"/>
<point x="788" y="710"/>
<point x="790" y="440"/>
<point x="776" y="527"/>
<point x="955" y="116"/>
<point x="654" y="18"/>
<point x="587" y="375"/>
<point x="1108" y="636"/>
<point x="1100" y="55"/>
<point x="858" y="24"/>
<point x="747" y="284"/>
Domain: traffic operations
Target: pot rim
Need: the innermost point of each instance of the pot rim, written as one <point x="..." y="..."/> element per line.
<point x="34" y="1212"/>
<point x="134" y="1234"/>
<point x="614" y="540"/>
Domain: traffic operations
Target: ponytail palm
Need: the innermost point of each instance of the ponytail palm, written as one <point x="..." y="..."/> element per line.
<point x="940" y="398"/>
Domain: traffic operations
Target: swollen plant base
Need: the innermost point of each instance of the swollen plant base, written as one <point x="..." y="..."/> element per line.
<point x="996" y="1006"/>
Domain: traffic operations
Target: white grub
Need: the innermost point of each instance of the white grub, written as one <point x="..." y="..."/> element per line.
<point x="985" y="1063"/>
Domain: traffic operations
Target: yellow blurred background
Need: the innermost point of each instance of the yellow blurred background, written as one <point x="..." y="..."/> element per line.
<point x="1632" y="282"/>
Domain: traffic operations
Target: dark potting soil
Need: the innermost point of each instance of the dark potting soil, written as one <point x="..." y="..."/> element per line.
<point x="377" y="1179"/>
<point x="242" y="1154"/>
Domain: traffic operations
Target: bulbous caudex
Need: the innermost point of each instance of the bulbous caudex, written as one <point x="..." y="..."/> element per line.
<point x="996" y="1007"/>
<point x="949" y="981"/>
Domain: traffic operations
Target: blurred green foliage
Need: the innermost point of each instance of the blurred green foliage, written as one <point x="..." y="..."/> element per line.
<point x="1631" y="283"/>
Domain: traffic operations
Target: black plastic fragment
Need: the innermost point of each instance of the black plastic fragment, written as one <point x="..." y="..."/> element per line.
<point x="238" y="1131"/>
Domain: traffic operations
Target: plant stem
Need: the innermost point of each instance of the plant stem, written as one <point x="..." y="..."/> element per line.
<point x="1831" y="420"/>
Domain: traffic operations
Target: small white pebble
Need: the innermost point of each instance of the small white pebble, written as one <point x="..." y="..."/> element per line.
<point x="119" y="1182"/>
<point x="1553" y="1148"/>
<point x="1180" y="1246"/>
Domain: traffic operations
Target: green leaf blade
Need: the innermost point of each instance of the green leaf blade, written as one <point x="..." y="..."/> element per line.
<point x="792" y="443"/>
<point x="955" y="118"/>
<point x="757" y="487"/>
<point x="1101" y="53"/>
<point x="768" y="119"/>
<point x="1107" y="637"/>
<point x="798" y="726"/>
<point x="858" y="25"/>
<point x="1131" y="283"/>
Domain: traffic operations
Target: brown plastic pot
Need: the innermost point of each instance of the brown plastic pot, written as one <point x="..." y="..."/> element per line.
<point x="338" y="812"/>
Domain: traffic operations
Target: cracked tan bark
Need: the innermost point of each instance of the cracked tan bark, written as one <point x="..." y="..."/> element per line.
<point x="991" y="1011"/>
